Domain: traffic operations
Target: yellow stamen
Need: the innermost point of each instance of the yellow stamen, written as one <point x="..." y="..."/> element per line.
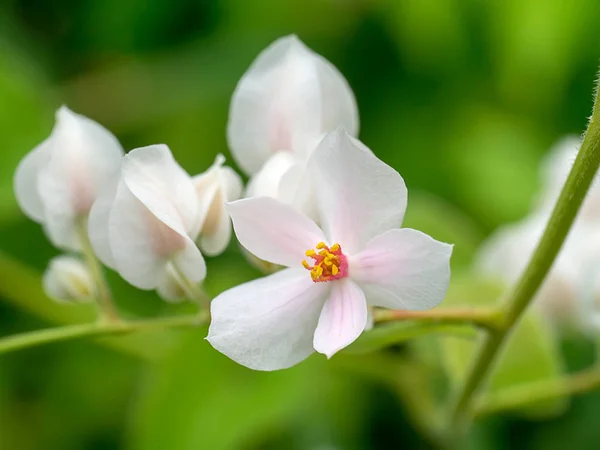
<point x="335" y="270"/>
<point x="335" y="247"/>
<point x="321" y="245"/>
<point x="306" y="265"/>
<point x="310" y="252"/>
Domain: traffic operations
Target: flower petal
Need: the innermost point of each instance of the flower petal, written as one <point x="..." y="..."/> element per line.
<point x="154" y="177"/>
<point x="26" y="180"/>
<point x="84" y="158"/>
<point x="266" y="182"/>
<point x="403" y="269"/>
<point x="343" y="319"/>
<point x="288" y="96"/>
<point x="268" y="324"/>
<point x="98" y="221"/>
<point x="140" y="243"/>
<point x="190" y="262"/>
<point x="273" y="231"/>
<point x="214" y="241"/>
<point x="359" y="196"/>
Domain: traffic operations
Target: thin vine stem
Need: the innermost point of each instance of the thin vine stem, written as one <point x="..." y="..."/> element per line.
<point x="486" y="318"/>
<point x="519" y="397"/>
<point x="107" y="328"/>
<point x="567" y="206"/>
<point x="97" y="329"/>
<point x="108" y="311"/>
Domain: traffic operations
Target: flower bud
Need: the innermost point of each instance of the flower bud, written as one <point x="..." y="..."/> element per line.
<point x="215" y="187"/>
<point x="67" y="279"/>
<point x="59" y="180"/>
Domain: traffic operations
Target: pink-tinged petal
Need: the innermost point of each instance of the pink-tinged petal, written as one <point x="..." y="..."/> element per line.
<point x="288" y="96"/>
<point x="268" y="324"/>
<point x="343" y="319"/>
<point x="359" y="196"/>
<point x="403" y="269"/>
<point x="84" y="158"/>
<point x="98" y="222"/>
<point x="26" y="180"/>
<point x="154" y="177"/>
<point x="273" y="231"/>
<point x="140" y="243"/>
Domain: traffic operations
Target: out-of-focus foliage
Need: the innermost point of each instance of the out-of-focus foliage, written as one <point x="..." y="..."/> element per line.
<point x="463" y="97"/>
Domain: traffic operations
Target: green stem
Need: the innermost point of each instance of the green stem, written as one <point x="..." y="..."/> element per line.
<point x="522" y="396"/>
<point x="564" y="213"/>
<point x="97" y="329"/>
<point x="107" y="309"/>
<point x="481" y="317"/>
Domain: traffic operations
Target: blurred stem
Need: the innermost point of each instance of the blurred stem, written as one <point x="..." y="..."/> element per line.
<point x="528" y="394"/>
<point x="193" y="291"/>
<point x="571" y="197"/>
<point x="107" y="309"/>
<point x="97" y="329"/>
<point x="483" y="317"/>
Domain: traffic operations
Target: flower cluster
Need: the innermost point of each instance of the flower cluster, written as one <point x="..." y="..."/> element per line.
<point x="319" y="203"/>
<point x="570" y="294"/>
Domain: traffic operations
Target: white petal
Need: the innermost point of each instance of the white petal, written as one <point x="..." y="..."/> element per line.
<point x="214" y="240"/>
<point x="288" y="96"/>
<point x="140" y="243"/>
<point x="98" y="221"/>
<point x="266" y="182"/>
<point x="268" y="324"/>
<point x="85" y="157"/>
<point x="190" y="262"/>
<point x="343" y="319"/>
<point x="155" y="178"/>
<point x="359" y="196"/>
<point x="214" y="187"/>
<point x="26" y="180"/>
<point x="68" y="279"/>
<point x="273" y="231"/>
<point x="403" y="269"/>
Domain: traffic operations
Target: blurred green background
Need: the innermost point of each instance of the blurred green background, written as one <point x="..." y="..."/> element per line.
<point x="462" y="97"/>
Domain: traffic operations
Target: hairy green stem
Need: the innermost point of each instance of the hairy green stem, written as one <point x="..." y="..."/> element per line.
<point x="529" y="394"/>
<point x="107" y="309"/>
<point x="97" y="329"/>
<point x="482" y="317"/>
<point x="571" y="197"/>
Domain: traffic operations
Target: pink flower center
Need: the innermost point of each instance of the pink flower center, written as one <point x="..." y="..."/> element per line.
<point x="328" y="263"/>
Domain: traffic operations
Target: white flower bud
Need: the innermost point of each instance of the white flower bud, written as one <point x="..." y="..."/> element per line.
<point x="58" y="181"/>
<point x="67" y="279"/>
<point x="215" y="187"/>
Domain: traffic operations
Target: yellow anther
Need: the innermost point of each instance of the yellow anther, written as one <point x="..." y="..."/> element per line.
<point x="323" y="253"/>
<point x="310" y="252"/>
<point x="318" y="270"/>
<point x="321" y="245"/>
<point x="335" y="247"/>
<point x="334" y="270"/>
<point x="306" y="265"/>
<point x="327" y="262"/>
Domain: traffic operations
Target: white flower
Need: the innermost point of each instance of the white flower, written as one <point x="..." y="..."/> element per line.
<point x="362" y="258"/>
<point x="67" y="279"/>
<point x="281" y="109"/>
<point x="58" y="181"/>
<point x="215" y="187"/>
<point x="149" y="220"/>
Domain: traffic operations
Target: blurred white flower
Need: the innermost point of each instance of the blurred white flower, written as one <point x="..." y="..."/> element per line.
<point x="215" y="187"/>
<point x="149" y="220"/>
<point x="67" y="279"/>
<point x="59" y="180"/>
<point x="507" y="252"/>
<point x="281" y="109"/>
<point x="362" y="258"/>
